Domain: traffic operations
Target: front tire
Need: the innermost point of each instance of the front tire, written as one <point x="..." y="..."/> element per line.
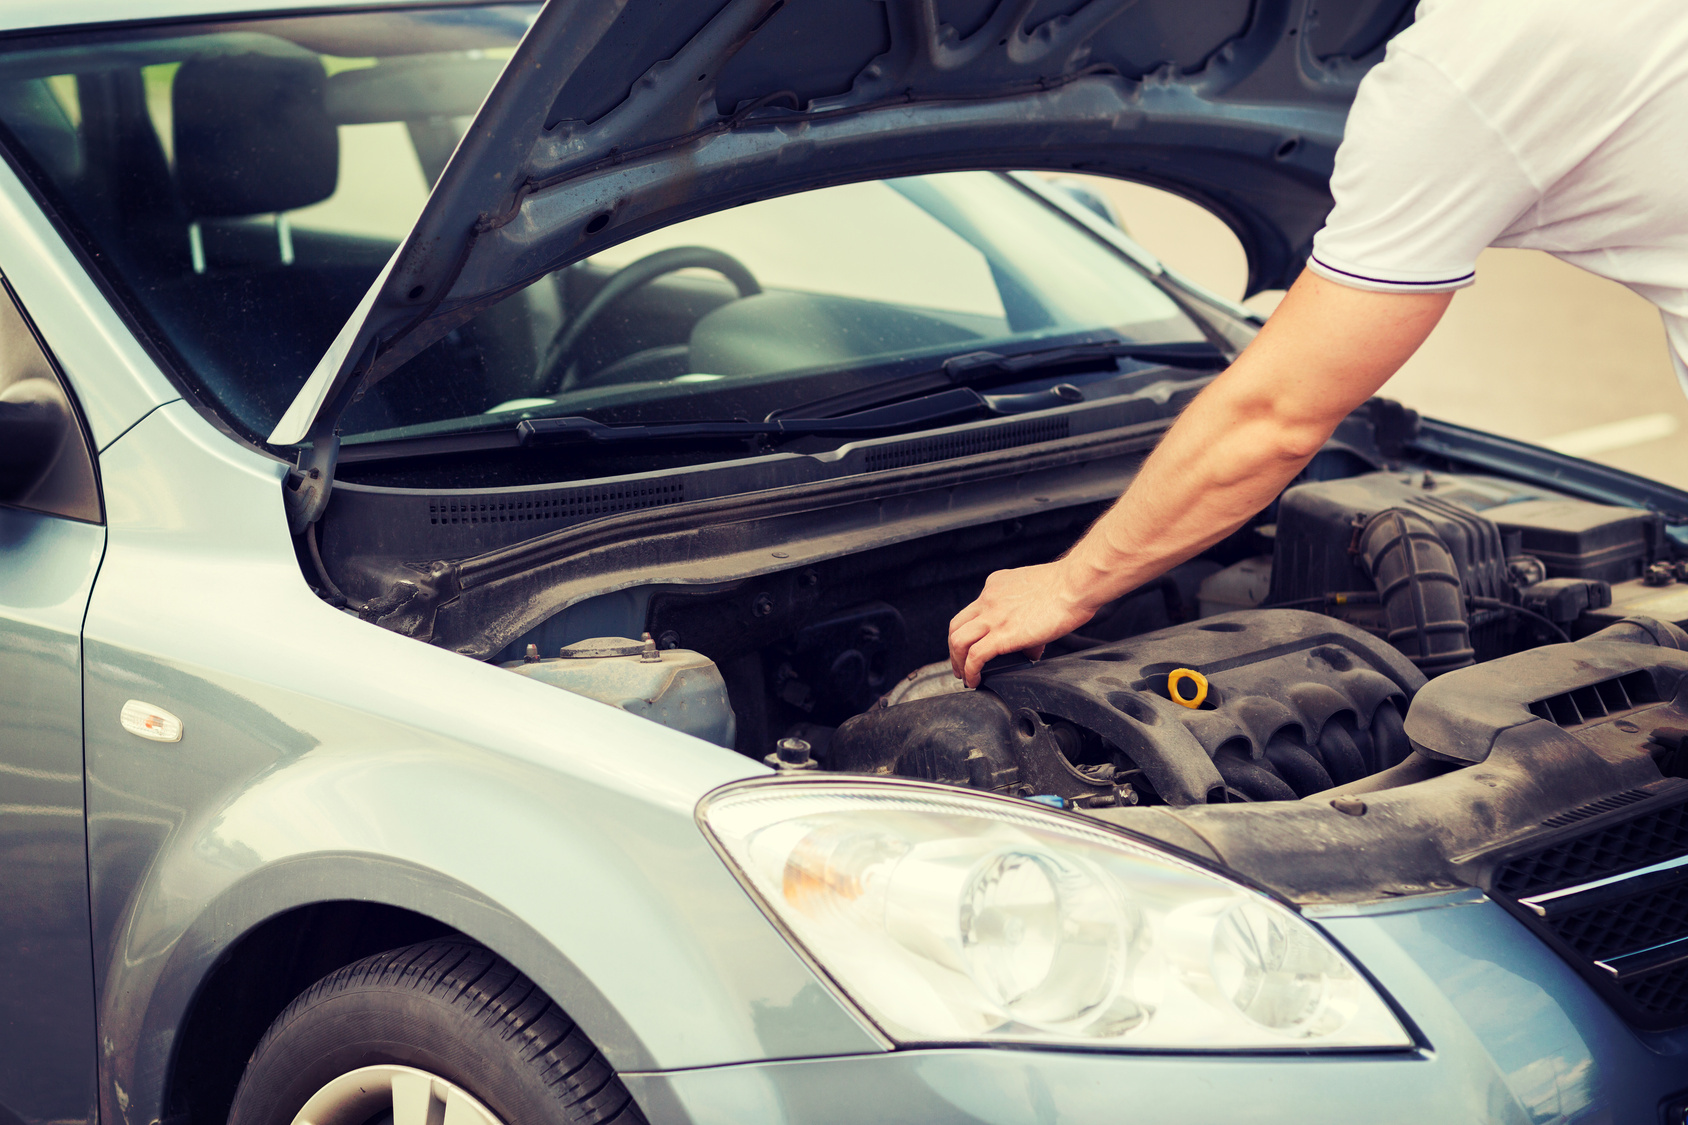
<point x="442" y="1030"/>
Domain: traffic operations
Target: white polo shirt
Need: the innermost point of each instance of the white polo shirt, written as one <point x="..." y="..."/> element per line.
<point x="1556" y="125"/>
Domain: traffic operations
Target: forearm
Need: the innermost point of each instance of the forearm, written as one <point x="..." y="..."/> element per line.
<point x="1216" y="468"/>
<point x="1249" y="433"/>
<point x="1326" y="350"/>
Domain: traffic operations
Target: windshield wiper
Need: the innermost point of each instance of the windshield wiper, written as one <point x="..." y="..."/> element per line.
<point x="985" y="367"/>
<point x="955" y="404"/>
<point x="882" y="408"/>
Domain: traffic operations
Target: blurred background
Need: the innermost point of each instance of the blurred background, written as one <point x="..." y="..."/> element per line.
<point x="1536" y="350"/>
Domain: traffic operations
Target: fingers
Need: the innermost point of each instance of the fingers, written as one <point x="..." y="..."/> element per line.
<point x="1034" y="653"/>
<point x="978" y="656"/>
<point x="961" y="640"/>
<point x="968" y="613"/>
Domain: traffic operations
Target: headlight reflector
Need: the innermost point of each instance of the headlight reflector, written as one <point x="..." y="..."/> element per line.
<point x="950" y="916"/>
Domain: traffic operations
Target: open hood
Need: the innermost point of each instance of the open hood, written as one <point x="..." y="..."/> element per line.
<point x="617" y="117"/>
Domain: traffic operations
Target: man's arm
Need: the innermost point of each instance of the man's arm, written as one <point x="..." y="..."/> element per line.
<point x="1325" y="351"/>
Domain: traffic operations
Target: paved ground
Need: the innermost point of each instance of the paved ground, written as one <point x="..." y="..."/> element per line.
<point x="1536" y="349"/>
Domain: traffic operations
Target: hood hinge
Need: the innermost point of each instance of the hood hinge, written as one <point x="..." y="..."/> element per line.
<point x="311" y="479"/>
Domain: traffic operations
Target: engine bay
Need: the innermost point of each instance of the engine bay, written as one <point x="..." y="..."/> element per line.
<point x="1404" y="677"/>
<point x="1393" y="682"/>
<point x="1282" y="665"/>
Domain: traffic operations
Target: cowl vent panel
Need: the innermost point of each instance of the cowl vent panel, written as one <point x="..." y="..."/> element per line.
<point x="1598" y="701"/>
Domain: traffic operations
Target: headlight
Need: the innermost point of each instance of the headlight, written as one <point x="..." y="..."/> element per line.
<point x="952" y="917"/>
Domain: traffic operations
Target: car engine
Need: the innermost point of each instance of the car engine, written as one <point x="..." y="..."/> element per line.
<point x="1285" y="664"/>
<point x="1285" y="703"/>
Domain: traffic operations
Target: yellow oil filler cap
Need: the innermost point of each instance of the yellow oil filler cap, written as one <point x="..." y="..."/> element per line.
<point x="1187" y="687"/>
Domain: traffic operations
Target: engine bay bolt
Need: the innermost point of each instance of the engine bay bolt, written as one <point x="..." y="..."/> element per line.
<point x="669" y="639"/>
<point x="531" y="656"/>
<point x="1428" y="482"/>
<point x="762" y="606"/>
<point x="1659" y="574"/>
<point x="1352" y="806"/>
<point x="792" y="754"/>
<point x="648" y="653"/>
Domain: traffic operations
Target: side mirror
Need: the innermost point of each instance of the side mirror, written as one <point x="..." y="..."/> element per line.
<point x="1090" y="199"/>
<point x="34" y="422"/>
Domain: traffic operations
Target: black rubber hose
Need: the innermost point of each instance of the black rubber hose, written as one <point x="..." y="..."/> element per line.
<point x="1530" y="614"/>
<point x="1419" y="586"/>
<point x="328" y="585"/>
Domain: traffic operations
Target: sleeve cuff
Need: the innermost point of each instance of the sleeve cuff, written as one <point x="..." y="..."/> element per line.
<point x="1387" y="281"/>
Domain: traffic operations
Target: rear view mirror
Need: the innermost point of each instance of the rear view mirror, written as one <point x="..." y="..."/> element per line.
<point x="46" y="462"/>
<point x="35" y="420"/>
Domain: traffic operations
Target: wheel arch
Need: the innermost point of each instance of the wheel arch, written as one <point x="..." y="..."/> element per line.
<point x="220" y="989"/>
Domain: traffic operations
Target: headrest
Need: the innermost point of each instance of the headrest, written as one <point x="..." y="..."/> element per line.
<point x="253" y="135"/>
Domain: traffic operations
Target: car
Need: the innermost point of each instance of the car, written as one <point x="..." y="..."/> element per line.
<point x="484" y="486"/>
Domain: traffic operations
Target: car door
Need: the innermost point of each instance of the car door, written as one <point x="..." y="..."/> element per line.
<point x="51" y="540"/>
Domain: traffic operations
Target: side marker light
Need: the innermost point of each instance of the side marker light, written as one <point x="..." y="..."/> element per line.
<point x="147" y="721"/>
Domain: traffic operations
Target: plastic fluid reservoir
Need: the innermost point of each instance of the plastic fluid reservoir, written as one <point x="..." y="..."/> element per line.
<point x="677" y="688"/>
<point x="1242" y="585"/>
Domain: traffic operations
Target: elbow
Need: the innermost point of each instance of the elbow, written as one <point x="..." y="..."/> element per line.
<point x="1297" y="442"/>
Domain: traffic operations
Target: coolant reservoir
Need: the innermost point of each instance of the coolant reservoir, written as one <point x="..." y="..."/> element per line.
<point x="677" y="688"/>
<point x="1242" y="585"/>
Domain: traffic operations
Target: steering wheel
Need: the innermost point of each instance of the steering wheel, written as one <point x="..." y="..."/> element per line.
<point x="633" y="276"/>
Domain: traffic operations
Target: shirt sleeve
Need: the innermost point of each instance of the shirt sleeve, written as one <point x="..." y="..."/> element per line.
<point x="1422" y="184"/>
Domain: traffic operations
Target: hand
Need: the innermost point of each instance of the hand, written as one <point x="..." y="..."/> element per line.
<point x="1017" y="611"/>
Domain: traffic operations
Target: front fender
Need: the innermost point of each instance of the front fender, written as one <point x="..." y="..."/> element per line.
<point x="325" y="759"/>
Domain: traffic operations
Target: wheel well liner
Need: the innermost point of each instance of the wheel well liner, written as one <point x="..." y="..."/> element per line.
<point x="259" y="976"/>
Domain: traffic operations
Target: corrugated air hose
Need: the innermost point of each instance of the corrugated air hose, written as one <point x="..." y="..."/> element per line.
<point x="1419" y="588"/>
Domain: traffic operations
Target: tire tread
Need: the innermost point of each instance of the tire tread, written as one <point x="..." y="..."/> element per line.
<point x="493" y="993"/>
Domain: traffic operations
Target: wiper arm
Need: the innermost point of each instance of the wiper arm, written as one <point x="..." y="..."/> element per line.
<point x="955" y="404"/>
<point x="886" y="407"/>
<point x="985" y="367"/>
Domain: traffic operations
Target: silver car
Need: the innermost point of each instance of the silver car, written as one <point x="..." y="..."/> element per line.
<point x="484" y="486"/>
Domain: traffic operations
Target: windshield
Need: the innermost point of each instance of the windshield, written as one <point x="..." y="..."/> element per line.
<point x="243" y="183"/>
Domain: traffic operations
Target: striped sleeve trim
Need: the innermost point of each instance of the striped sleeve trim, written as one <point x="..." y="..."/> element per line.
<point x="1388" y="284"/>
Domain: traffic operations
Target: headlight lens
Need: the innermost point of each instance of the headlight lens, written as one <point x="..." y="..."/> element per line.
<point x="952" y="917"/>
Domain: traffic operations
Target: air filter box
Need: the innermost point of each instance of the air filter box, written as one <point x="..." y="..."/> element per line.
<point x="1483" y="520"/>
<point x="1314" y="551"/>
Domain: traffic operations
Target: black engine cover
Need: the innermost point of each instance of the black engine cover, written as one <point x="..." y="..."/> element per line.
<point x="1296" y="702"/>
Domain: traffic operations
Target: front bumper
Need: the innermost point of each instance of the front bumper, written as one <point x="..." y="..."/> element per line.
<point x="1512" y="1034"/>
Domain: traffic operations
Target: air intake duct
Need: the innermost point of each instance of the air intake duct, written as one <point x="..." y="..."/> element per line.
<point x="1419" y="588"/>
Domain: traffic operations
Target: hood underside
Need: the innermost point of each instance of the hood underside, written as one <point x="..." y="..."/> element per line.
<point x="618" y="117"/>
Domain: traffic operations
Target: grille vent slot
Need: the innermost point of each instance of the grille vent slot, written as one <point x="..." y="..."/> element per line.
<point x="1597" y="701"/>
<point x="1595" y="808"/>
<point x="965" y="445"/>
<point x="1629" y="938"/>
<point x="1648" y="838"/>
<point x="553" y="507"/>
